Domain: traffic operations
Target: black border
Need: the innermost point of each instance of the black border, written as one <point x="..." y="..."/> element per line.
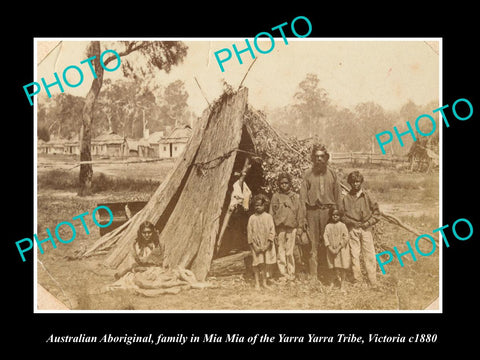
<point x="460" y="72"/>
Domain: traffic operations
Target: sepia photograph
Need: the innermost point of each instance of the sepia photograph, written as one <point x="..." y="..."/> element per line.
<point x="237" y="175"/>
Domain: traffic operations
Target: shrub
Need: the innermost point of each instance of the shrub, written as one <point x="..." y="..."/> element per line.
<point x="57" y="180"/>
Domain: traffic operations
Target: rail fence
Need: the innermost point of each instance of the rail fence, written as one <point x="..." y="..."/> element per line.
<point x="368" y="158"/>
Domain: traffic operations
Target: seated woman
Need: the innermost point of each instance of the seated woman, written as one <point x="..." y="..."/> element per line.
<point x="146" y="250"/>
<point x="143" y="269"/>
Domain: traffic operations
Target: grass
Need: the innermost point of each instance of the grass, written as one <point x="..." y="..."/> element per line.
<point x="386" y="182"/>
<point x="417" y="282"/>
<point x="68" y="181"/>
<point x="393" y="187"/>
<point x="379" y="181"/>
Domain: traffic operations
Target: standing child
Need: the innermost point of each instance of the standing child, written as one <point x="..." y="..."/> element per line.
<point x="261" y="234"/>
<point x="337" y="244"/>
<point x="284" y="208"/>
<point x="361" y="211"/>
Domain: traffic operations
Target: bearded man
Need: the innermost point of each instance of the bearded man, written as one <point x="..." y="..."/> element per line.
<point x="320" y="190"/>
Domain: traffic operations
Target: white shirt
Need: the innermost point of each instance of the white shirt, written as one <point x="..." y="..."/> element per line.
<point x="239" y="196"/>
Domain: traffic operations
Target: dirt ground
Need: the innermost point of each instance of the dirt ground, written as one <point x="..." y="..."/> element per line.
<point x="80" y="283"/>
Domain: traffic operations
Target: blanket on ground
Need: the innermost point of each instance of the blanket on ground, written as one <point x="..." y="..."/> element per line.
<point x="154" y="281"/>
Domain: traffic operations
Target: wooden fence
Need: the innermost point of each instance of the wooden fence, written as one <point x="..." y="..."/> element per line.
<point x="368" y="158"/>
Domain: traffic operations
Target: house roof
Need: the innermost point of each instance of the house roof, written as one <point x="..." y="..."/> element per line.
<point x="134" y="143"/>
<point x="179" y="134"/>
<point x="155" y="137"/>
<point x="183" y="140"/>
<point x="57" y="142"/>
<point x="108" y="138"/>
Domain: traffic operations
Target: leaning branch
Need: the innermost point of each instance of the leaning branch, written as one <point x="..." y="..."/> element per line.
<point x="391" y="218"/>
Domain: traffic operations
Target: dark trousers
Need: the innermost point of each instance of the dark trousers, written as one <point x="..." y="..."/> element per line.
<point x="317" y="219"/>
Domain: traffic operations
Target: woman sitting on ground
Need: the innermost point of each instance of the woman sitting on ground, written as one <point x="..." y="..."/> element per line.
<point x="146" y="250"/>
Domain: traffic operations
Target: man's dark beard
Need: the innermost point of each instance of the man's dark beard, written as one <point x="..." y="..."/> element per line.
<point x="319" y="168"/>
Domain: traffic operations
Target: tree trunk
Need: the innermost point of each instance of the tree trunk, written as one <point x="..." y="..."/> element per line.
<point x="86" y="170"/>
<point x="132" y="129"/>
<point x="110" y="124"/>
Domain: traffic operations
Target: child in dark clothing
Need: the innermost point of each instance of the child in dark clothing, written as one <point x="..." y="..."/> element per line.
<point x="285" y="209"/>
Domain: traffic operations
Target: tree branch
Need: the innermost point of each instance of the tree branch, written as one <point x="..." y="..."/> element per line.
<point x="130" y="48"/>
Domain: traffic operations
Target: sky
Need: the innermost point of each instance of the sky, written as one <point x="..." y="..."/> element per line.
<point x="387" y="71"/>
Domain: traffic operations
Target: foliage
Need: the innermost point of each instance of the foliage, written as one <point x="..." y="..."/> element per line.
<point x="43" y="134"/>
<point x="311" y="104"/>
<point x="128" y="106"/>
<point x="313" y="114"/>
<point x="344" y="131"/>
<point x="41" y="113"/>
<point x="156" y="55"/>
<point x="62" y="117"/>
<point x="124" y="106"/>
<point x="174" y="107"/>
<point x="277" y="153"/>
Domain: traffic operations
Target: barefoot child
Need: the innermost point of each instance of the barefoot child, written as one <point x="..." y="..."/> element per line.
<point x="285" y="209"/>
<point x="337" y="243"/>
<point x="261" y="234"/>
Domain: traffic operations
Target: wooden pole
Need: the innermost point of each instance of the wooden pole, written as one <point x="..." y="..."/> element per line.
<point x="248" y="70"/>
<point x="203" y="94"/>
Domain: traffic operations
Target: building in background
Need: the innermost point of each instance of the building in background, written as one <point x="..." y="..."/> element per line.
<point x="174" y="143"/>
<point x="107" y="144"/>
<point x="164" y="145"/>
